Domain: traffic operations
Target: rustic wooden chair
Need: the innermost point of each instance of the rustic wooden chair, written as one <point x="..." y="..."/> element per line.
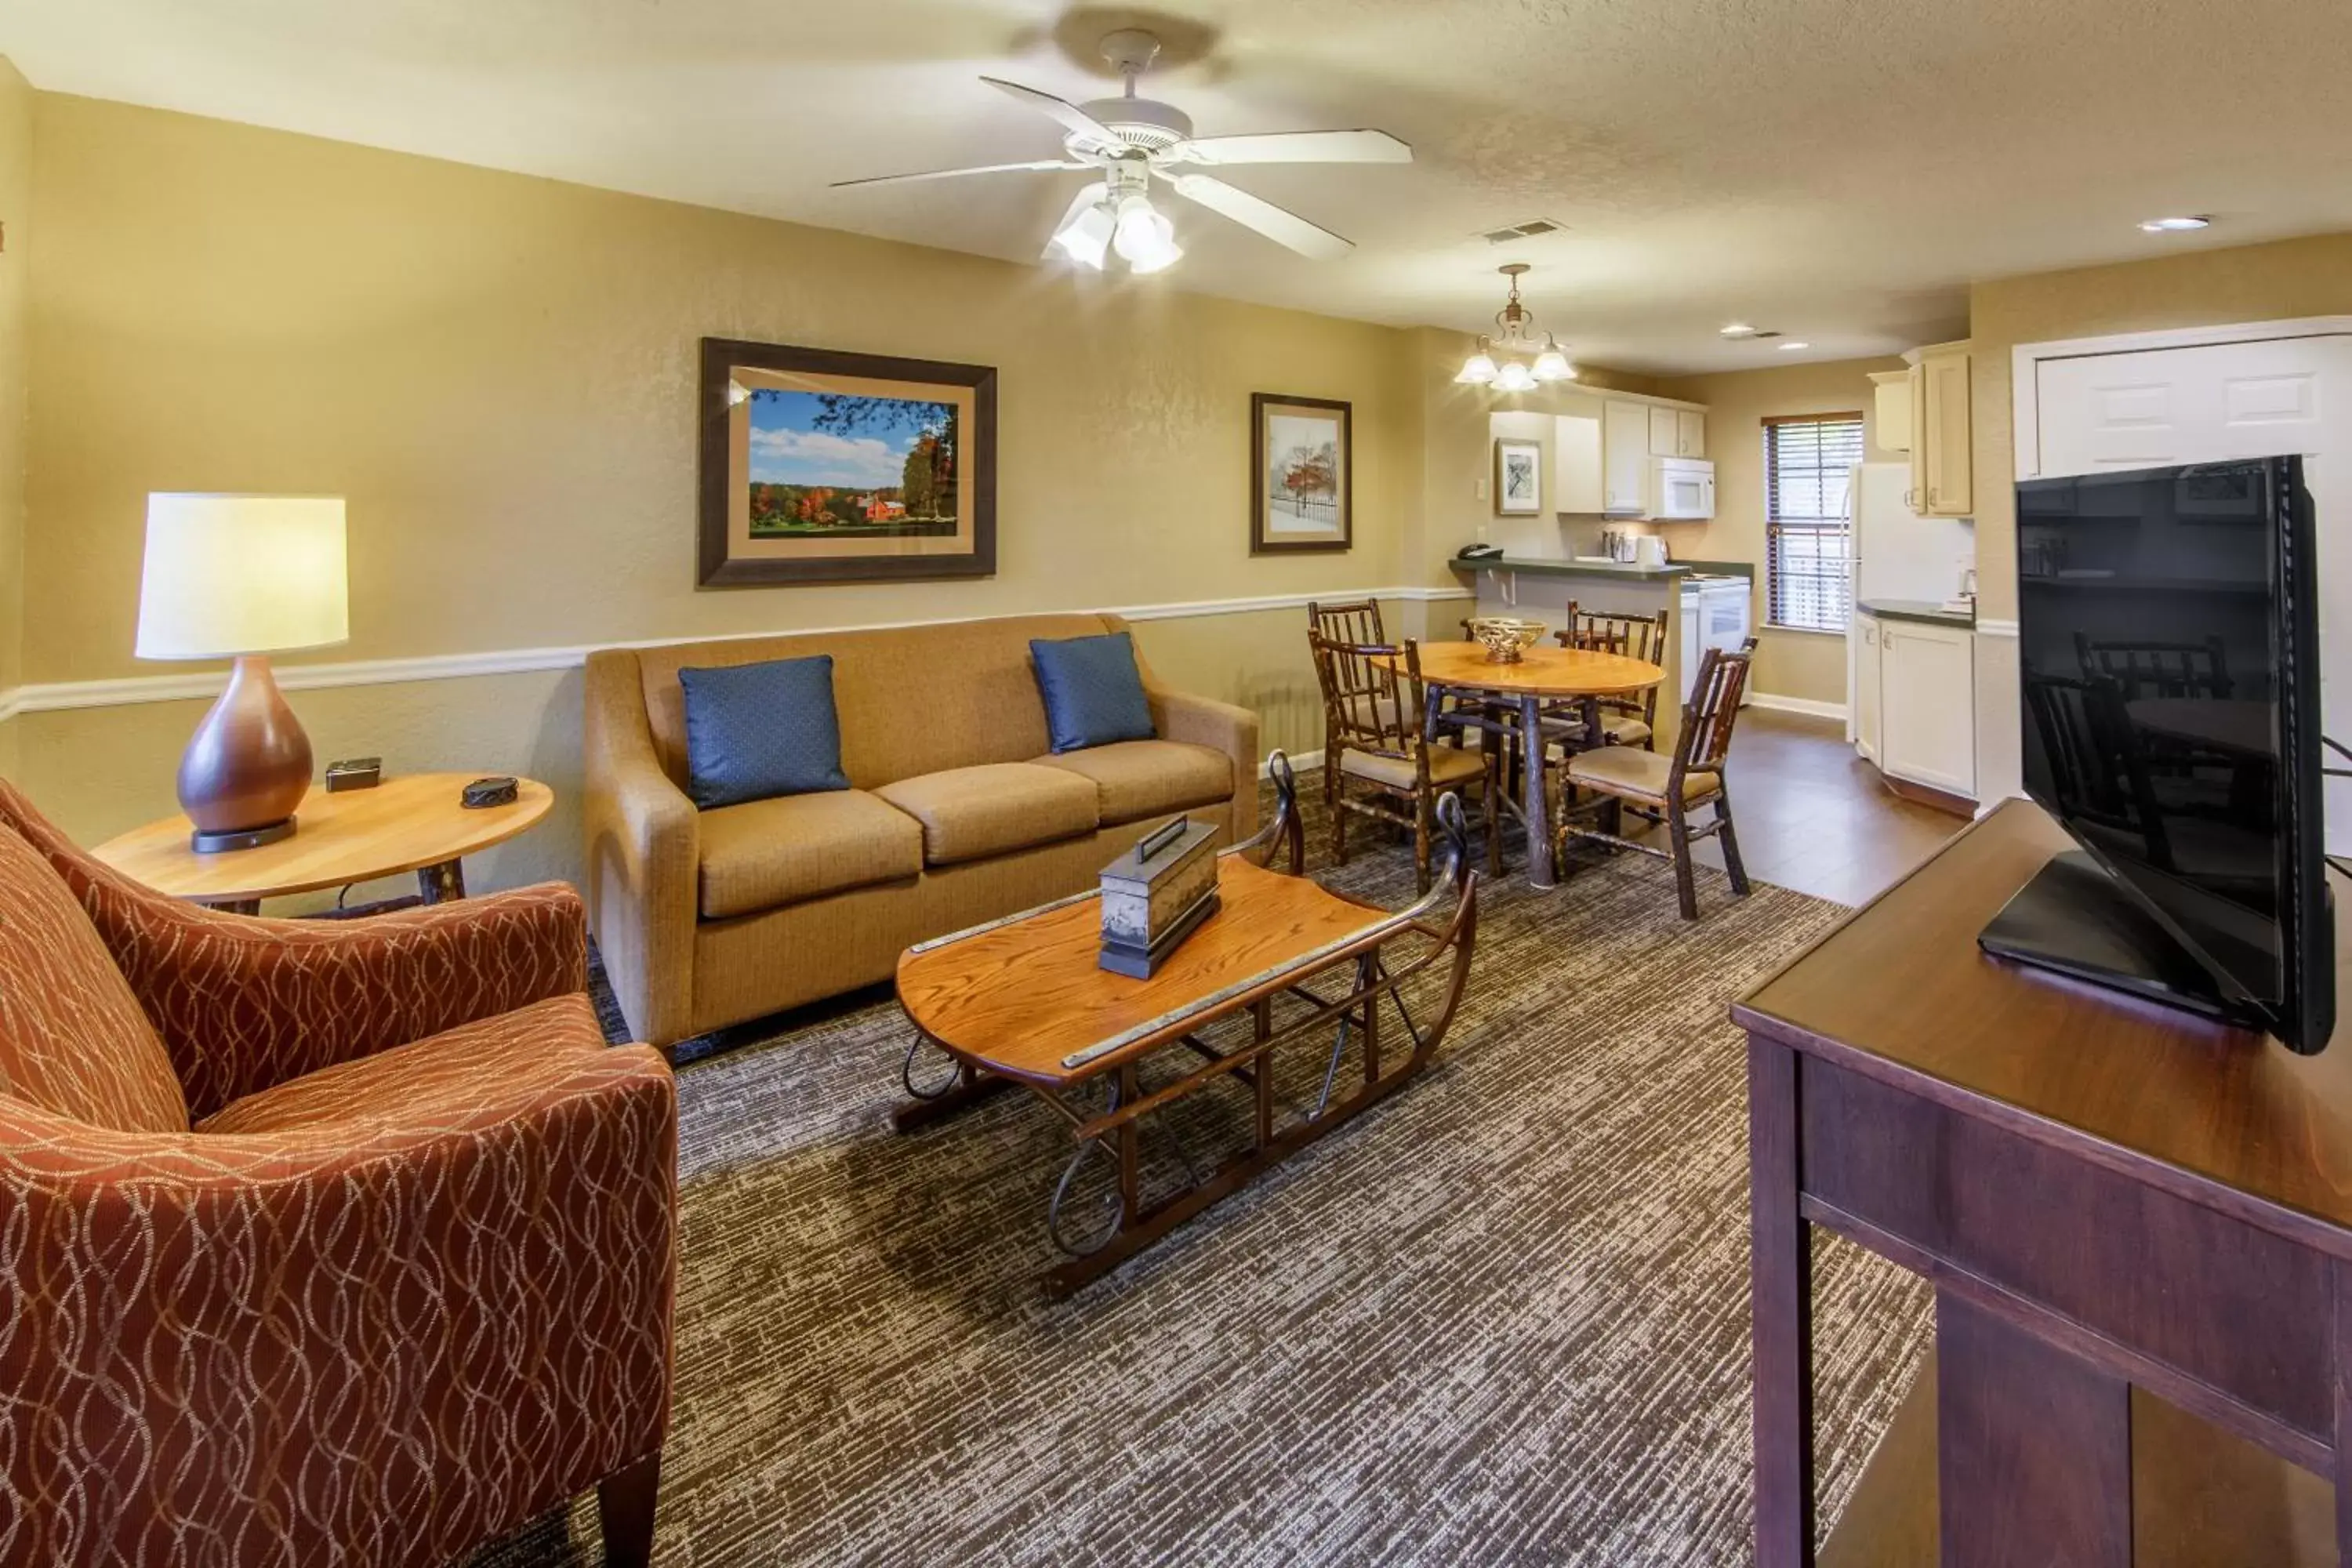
<point x="1624" y="720"/>
<point x="1369" y="741"/>
<point x="1674" y="786"/>
<point x="1355" y="623"/>
<point x="2098" y="768"/>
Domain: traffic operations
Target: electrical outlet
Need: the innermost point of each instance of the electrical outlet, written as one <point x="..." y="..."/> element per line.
<point x="1478" y="490"/>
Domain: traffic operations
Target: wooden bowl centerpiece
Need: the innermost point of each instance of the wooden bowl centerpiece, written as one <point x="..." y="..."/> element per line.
<point x="1505" y="638"/>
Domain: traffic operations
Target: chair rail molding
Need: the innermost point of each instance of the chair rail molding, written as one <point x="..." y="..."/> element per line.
<point x="50" y="697"/>
<point x="2025" y="360"/>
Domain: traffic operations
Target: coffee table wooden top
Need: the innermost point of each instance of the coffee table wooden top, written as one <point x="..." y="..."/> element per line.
<point x="1020" y="998"/>
<point x="404" y="824"/>
<point x="1539" y="672"/>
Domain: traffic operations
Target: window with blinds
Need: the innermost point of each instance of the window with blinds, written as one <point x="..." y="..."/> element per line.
<point x="1808" y="468"/>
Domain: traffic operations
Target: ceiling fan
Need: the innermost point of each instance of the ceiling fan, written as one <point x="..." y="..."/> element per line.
<point x="1133" y="140"/>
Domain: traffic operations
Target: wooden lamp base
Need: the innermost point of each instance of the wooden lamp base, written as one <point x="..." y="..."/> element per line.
<point x="247" y="767"/>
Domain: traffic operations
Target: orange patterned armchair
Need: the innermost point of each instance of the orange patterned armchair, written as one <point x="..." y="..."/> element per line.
<point x="322" y="1241"/>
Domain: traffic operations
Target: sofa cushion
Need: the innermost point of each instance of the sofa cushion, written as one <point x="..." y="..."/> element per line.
<point x="1136" y="779"/>
<point x="767" y="853"/>
<point x="757" y="730"/>
<point x="73" y="1039"/>
<point x="970" y="813"/>
<point x="1092" y="690"/>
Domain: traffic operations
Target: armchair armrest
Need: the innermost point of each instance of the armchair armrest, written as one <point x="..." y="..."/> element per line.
<point x="1218" y="725"/>
<point x="427" y="1321"/>
<point x="642" y="855"/>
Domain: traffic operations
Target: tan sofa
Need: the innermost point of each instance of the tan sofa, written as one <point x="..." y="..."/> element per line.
<point x="957" y="814"/>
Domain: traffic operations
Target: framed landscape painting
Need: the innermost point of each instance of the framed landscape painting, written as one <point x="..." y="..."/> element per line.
<point x="1302" y="466"/>
<point x="821" y="466"/>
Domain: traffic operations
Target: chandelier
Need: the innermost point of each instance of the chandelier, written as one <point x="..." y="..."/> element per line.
<point x="1515" y="334"/>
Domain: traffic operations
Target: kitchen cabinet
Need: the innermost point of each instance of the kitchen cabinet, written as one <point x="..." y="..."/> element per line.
<point x="1866" y="679"/>
<point x="1577" y="482"/>
<point x="1677" y="433"/>
<point x="1926" y="704"/>
<point x="1625" y="456"/>
<point x="1891" y="409"/>
<point x="1942" y="431"/>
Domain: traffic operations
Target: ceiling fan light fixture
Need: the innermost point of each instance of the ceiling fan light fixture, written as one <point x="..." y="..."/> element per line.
<point x="1143" y="237"/>
<point x="1086" y="236"/>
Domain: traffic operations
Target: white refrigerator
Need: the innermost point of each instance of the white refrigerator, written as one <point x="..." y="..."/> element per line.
<point x="1892" y="553"/>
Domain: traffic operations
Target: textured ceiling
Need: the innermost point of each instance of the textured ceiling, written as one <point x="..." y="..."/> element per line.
<point x="1836" y="169"/>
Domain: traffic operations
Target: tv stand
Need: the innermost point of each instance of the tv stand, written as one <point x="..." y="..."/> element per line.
<point x="2074" y="920"/>
<point x="2137" y="1224"/>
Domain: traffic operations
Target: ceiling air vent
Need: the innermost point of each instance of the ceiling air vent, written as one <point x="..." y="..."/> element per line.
<point x="1528" y="230"/>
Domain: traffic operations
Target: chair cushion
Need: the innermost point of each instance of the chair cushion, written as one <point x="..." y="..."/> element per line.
<point x="754" y="732"/>
<point x="1447" y="768"/>
<point x="971" y="813"/>
<point x="1092" y="689"/>
<point x="1624" y="728"/>
<point x="1621" y="770"/>
<point x="1150" y="778"/>
<point x="73" y="1039"/>
<point x="767" y="853"/>
<point x="410" y="1082"/>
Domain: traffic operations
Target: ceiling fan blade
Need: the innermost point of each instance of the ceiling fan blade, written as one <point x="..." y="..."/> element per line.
<point x="953" y="173"/>
<point x="1295" y="147"/>
<point x="1072" y="117"/>
<point x="1282" y="227"/>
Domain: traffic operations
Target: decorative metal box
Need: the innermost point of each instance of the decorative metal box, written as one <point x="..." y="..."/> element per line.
<point x="1156" y="895"/>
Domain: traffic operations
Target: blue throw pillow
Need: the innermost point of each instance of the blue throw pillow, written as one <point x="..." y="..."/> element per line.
<point x="756" y="731"/>
<point x="1093" y="692"/>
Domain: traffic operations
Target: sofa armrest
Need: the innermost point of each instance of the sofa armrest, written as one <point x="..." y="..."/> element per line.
<point x="1223" y="726"/>
<point x="642" y="855"/>
<point x="466" y="1296"/>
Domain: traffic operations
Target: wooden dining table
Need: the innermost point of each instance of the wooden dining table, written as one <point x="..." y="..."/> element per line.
<point x="1538" y="675"/>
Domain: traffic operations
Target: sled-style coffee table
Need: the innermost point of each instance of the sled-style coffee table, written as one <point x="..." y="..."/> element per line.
<point x="1283" y="964"/>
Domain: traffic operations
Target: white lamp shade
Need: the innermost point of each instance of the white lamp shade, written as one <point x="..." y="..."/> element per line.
<point x="235" y="574"/>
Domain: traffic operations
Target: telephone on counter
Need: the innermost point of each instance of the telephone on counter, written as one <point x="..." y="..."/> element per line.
<point x="1479" y="552"/>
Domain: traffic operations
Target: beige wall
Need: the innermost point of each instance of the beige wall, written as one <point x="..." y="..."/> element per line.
<point x="498" y="372"/>
<point x="16" y="263"/>
<point x="2279" y="281"/>
<point x="1810" y="665"/>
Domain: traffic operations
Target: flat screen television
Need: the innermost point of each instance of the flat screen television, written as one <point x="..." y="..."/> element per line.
<point x="2168" y="640"/>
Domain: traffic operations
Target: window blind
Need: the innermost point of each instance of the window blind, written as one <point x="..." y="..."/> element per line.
<point x="1808" y="469"/>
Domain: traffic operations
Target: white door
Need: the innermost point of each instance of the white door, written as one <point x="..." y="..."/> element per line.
<point x="1927" y="713"/>
<point x="2163" y="406"/>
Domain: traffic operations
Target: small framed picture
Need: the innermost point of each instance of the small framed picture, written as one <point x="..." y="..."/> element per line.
<point x="1519" y="478"/>
<point x="1302" y="468"/>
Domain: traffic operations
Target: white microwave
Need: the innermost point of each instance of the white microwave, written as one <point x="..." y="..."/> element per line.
<point x="1681" y="488"/>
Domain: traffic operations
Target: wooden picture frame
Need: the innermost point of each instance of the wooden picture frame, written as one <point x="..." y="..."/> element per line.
<point x="1518" y="477"/>
<point x="818" y="466"/>
<point x="1302" y="474"/>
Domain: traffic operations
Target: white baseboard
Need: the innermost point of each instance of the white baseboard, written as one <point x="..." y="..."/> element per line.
<point x="1814" y="706"/>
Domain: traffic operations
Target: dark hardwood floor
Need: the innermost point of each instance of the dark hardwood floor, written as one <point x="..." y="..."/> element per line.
<point x="1814" y="817"/>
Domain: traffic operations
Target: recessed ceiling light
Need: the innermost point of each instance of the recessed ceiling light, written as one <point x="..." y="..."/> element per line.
<point x="1738" y="330"/>
<point x="2174" y="224"/>
<point x="1793" y="344"/>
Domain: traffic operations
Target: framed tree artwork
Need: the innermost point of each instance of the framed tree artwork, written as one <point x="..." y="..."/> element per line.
<point x="1302" y="475"/>
<point x="1519" y="478"/>
<point x="823" y="466"/>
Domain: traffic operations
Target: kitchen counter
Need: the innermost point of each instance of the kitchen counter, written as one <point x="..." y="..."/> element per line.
<point x="1922" y="610"/>
<point x="1618" y="570"/>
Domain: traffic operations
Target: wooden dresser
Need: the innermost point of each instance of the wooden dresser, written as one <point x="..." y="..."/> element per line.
<point x="2139" y="1226"/>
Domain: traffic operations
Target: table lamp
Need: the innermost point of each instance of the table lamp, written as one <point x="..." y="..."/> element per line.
<point x="241" y="577"/>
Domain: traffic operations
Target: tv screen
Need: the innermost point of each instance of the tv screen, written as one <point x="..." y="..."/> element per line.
<point x="2169" y="642"/>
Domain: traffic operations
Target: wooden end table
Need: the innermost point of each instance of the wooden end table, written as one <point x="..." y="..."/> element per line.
<point x="1537" y="674"/>
<point x="1022" y="1001"/>
<point x="409" y="823"/>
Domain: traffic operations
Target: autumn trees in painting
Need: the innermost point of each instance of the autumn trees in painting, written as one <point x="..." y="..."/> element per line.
<point x="839" y="464"/>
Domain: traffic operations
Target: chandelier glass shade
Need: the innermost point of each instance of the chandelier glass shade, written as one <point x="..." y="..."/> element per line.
<point x="1503" y="360"/>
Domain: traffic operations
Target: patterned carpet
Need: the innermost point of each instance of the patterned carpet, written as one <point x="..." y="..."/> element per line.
<point x="1501" y="1319"/>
